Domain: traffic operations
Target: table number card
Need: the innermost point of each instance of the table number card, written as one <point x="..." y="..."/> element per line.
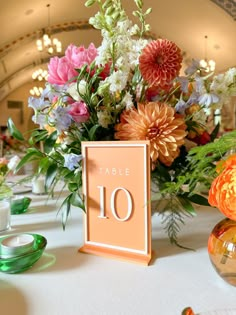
<point x="116" y="186"/>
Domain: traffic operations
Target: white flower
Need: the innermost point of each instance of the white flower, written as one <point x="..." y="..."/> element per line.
<point x="75" y="91"/>
<point x="13" y="163"/>
<point x="72" y="90"/>
<point x="118" y="81"/>
<point x="127" y="101"/>
<point x="136" y="48"/>
<point x="104" y="118"/>
<point x="230" y="75"/>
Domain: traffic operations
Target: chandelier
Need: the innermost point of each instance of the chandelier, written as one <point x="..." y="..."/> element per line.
<point x="51" y="45"/>
<point x="36" y="91"/>
<point x="40" y="75"/>
<point x="208" y="65"/>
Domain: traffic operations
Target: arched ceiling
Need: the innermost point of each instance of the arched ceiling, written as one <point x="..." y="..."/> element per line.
<point x="186" y="22"/>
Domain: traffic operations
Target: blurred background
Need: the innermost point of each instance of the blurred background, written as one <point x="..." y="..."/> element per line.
<point x="203" y="29"/>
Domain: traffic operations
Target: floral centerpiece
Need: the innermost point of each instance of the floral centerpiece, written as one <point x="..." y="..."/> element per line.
<point x="129" y="88"/>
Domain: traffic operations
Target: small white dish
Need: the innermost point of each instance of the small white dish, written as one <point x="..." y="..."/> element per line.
<point x="21" y="189"/>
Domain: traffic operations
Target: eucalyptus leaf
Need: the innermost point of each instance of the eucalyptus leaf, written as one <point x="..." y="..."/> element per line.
<point x="198" y="199"/>
<point x="65" y="210"/>
<point x="73" y="186"/>
<point x="215" y="132"/>
<point x="77" y="201"/>
<point x="32" y="155"/>
<point x="92" y="132"/>
<point x="187" y="205"/>
<point x="50" y="142"/>
<point x="50" y="175"/>
<point x="15" y="133"/>
<point x="43" y="165"/>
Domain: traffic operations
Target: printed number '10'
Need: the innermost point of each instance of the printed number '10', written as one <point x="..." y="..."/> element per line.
<point x="112" y="203"/>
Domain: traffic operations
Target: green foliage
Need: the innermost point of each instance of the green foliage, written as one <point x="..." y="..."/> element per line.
<point x="14" y="131"/>
<point x="50" y="162"/>
<point x="200" y="169"/>
<point x="32" y="154"/>
<point x="174" y="215"/>
<point x="50" y="142"/>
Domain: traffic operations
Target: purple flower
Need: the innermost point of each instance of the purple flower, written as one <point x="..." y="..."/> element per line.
<point x="184" y="83"/>
<point x="200" y="87"/>
<point x="39" y="119"/>
<point x="72" y="160"/>
<point x="193" y="67"/>
<point x="37" y="103"/>
<point x="207" y="99"/>
<point x="181" y="106"/>
<point x="193" y="98"/>
<point x="61" y="118"/>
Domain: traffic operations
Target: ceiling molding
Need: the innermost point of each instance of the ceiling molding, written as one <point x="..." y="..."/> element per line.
<point x="55" y="29"/>
<point x="40" y="62"/>
<point x="229" y="6"/>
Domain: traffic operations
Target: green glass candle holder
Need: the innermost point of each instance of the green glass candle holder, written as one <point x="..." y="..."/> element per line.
<point x="19" y="204"/>
<point x="22" y="262"/>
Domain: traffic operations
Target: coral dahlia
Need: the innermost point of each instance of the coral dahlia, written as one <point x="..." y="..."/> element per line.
<point x="158" y="123"/>
<point x="160" y="62"/>
<point x="222" y="193"/>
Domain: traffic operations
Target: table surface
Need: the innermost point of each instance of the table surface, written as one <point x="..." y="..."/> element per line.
<point x="67" y="282"/>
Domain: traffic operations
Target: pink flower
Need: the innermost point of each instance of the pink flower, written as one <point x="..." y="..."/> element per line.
<point x="3" y="161"/>
<point x="79" y="112"/>
<point x="60" y="70"/>
<point x="78" y="56"/>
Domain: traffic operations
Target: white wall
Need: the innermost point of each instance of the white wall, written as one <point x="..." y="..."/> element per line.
<point x="21" y="94"/>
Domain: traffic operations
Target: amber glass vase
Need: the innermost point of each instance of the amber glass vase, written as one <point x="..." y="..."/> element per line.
<point x="222" y="250"/>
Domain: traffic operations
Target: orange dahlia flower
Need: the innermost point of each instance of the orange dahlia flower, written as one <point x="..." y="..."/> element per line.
<point x="222" y="193"/>
<point x="158" y="123"/>
<point x="160" y="62"/>
<point x="230" y="161"/>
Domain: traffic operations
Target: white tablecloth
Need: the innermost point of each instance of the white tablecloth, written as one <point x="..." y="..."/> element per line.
<point x="66" y="282"/>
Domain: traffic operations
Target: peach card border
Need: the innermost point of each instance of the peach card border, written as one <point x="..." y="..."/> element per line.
<point x="145" y="146"/>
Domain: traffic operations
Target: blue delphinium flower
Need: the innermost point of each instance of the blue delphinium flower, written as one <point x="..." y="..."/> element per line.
<point x="181" y="106"/>
<point x="40" y="119"/>
<point x="37" y="103"/>
<point x="72" y="160"/>
<point x="208" y="99"/>
<point x="195" y="65"/>
<point x="184" y="83"/>
<point x="60" y="118"/>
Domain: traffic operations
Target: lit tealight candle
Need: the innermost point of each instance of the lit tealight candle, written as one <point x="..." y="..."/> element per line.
<point x="15" y="245"/>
